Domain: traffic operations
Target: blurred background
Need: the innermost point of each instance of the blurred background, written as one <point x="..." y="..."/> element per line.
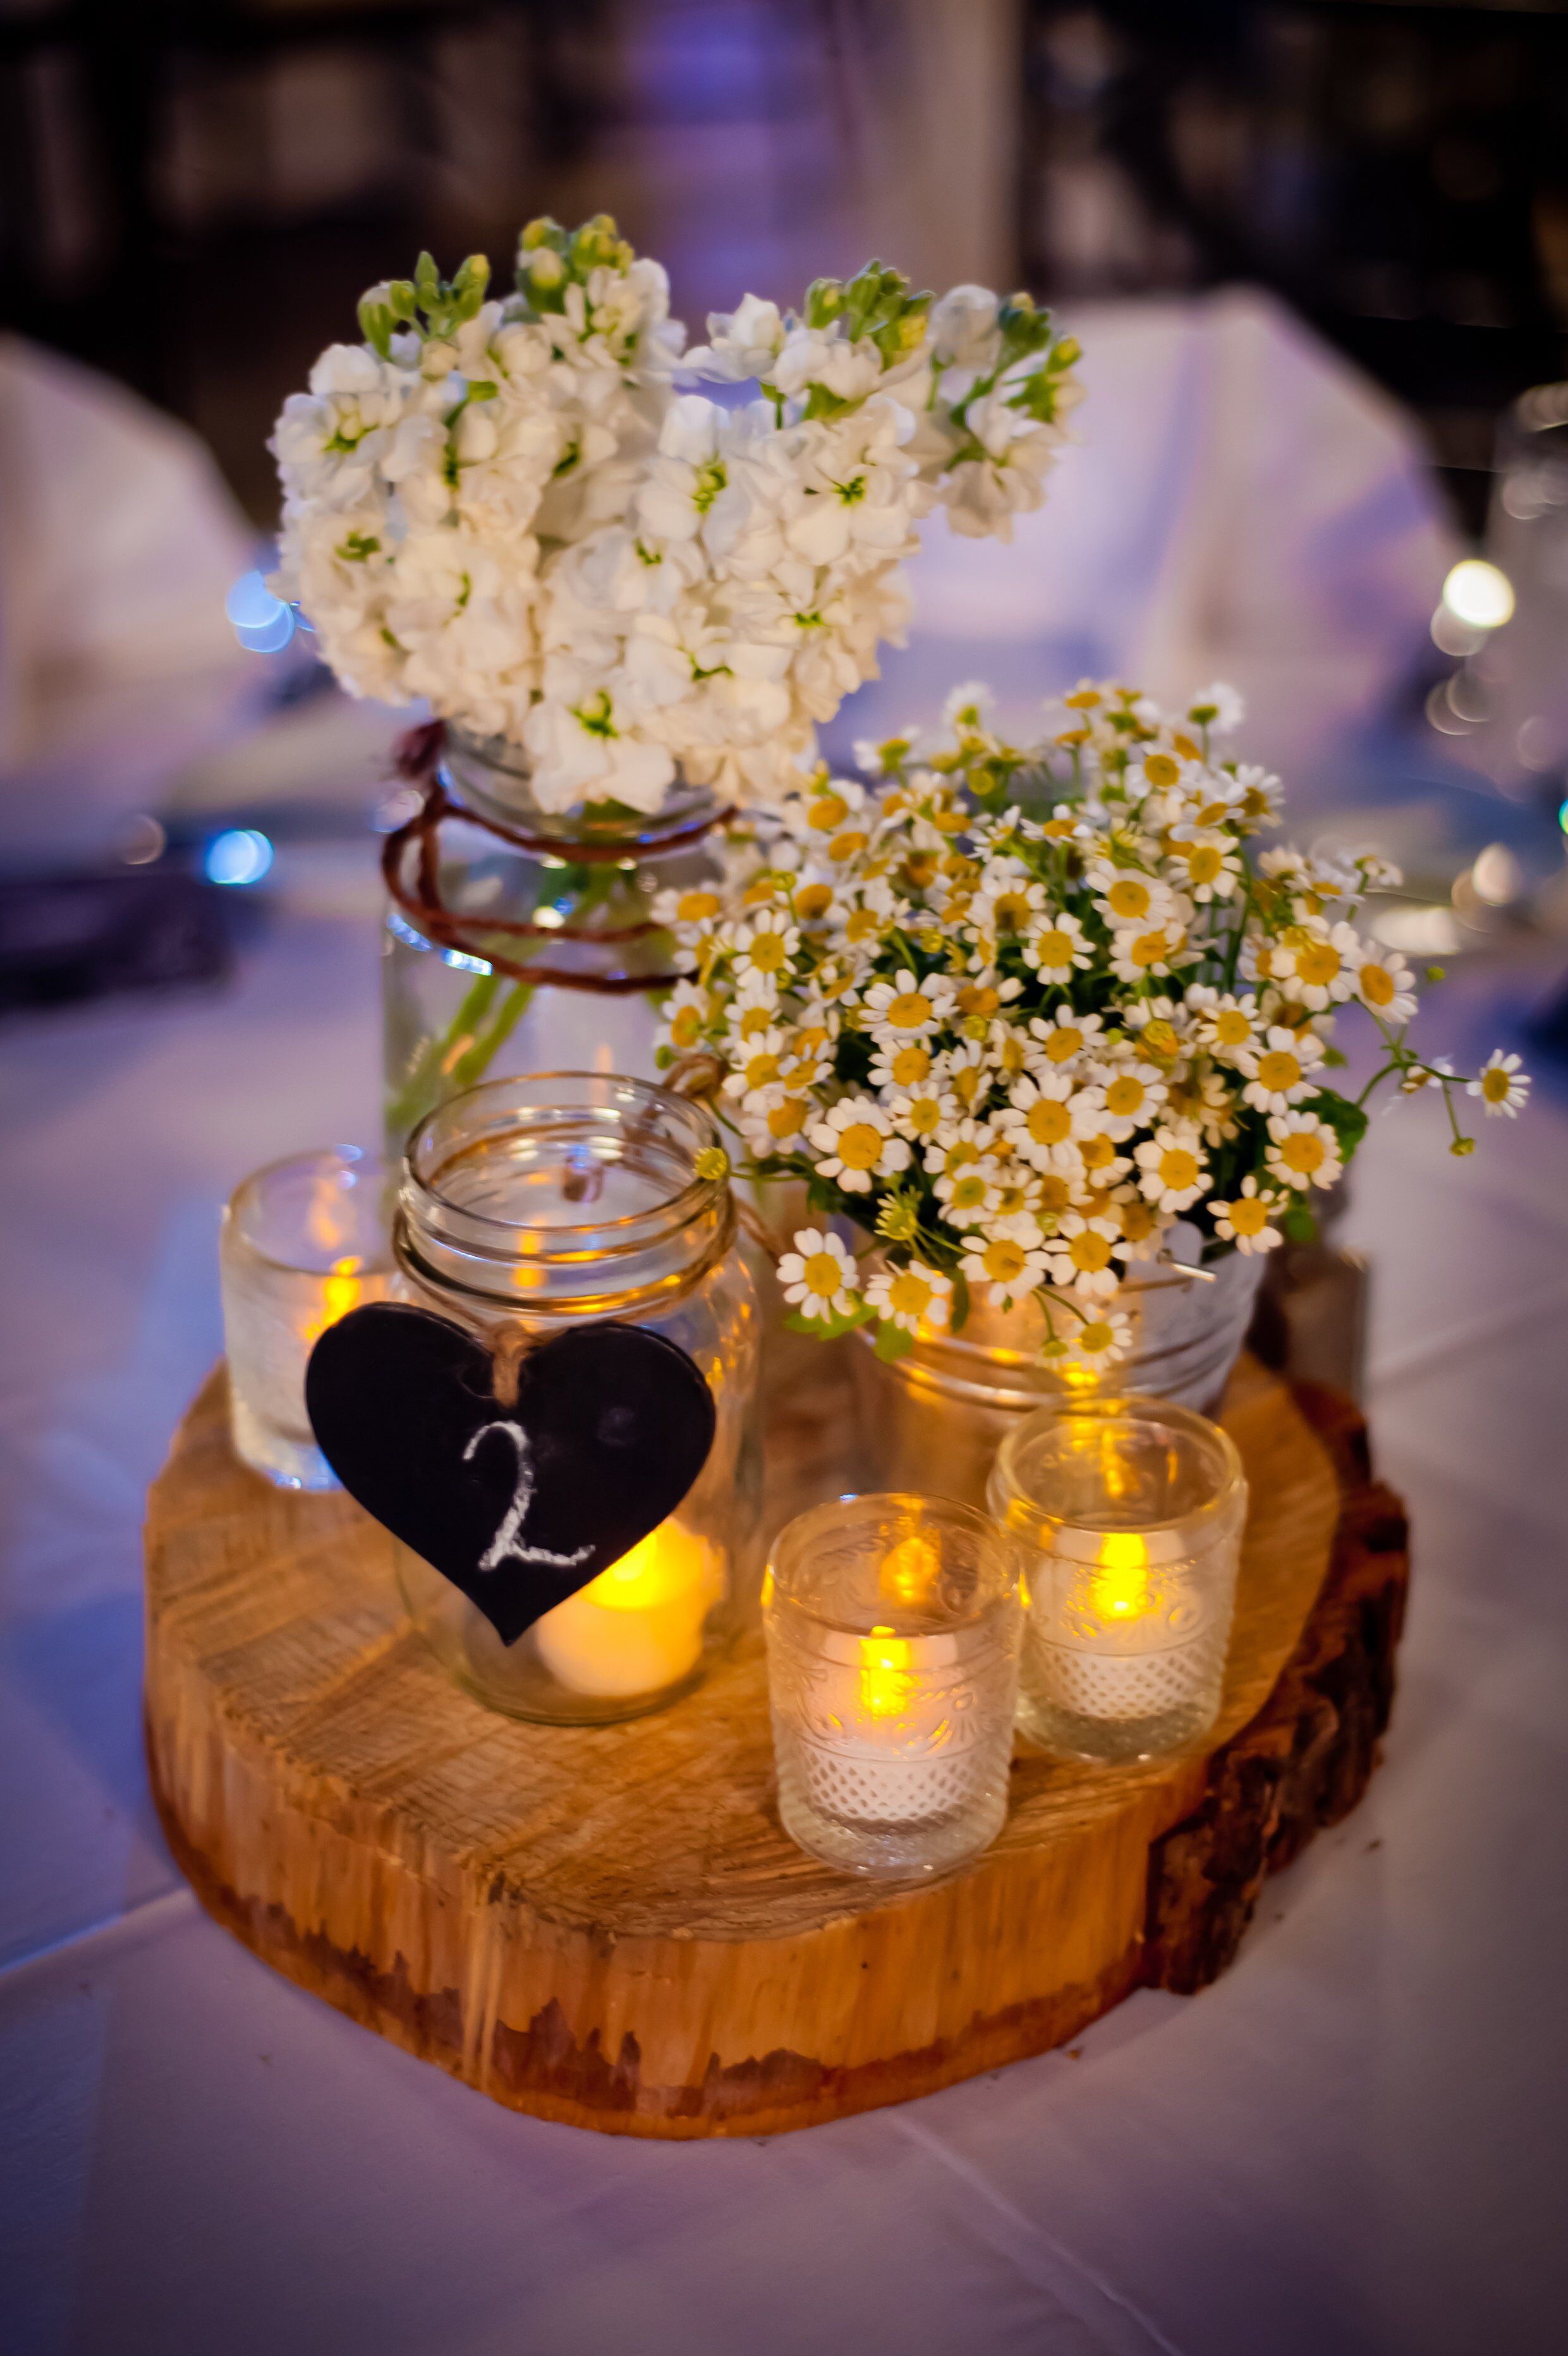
<point x="1317" y="253"/>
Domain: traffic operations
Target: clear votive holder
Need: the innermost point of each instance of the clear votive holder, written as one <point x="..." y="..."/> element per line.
<point x="893" y="1632"/>
<point x="303" y="1241"/>
<point x="1132" y="1510"/>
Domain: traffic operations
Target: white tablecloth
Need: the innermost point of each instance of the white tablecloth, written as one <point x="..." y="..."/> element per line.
<point x="1352" y="2145"/>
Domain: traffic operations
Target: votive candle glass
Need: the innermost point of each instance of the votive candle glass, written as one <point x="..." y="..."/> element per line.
<point x="303" y="1241"/>
<point x="1131" y="1512"/>
<point x="893" y="1631"/>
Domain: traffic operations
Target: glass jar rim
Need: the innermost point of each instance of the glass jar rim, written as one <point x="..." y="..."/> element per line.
<point x="794" y="1543"/>
<point x="356" y="1161"/>
<point x="685" y="802"/>
<point x="602" y="1265"/>
<point x="1022" y="1513"/>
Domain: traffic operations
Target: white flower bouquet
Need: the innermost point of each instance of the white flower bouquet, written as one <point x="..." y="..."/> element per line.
<point x="506" y="507"/>
<point x="1015" y="1012"/>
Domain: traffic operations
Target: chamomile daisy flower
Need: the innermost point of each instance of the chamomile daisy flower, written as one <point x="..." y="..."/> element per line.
<point x="1063" y="1037"/>
<point x="1225" y="1024"/>
<point x="856" y="1144"/>
<point x="1385" y="984"/>
<point x="904" y="1009"/>
<point x="1042" y="1116"/>
<point x="819" y="1277"/>
<point x="1099" y="1339"/>
<point x="911" y="1297"/>
<point x="687" y="1013"/>
<point x="899" y="1065"/>
<point x="1007" y="1266"/>
<point x="766" y="944"/>
<point x="920" y="1114"/>
<point x="756" y="1076"/>
<point x="1501" y="1086"/>
<point x="1171" y="1168"/>
<point x="1059" y="948"/>
<point x="1132" y="1093"/>
<point x="1081" y="1255"/>
<point x="1127" y="898"/>
<point x="1244" y="1220"/>
<point x="1302" y="1151"/>
<point x="1280" y="1069"/>
<point x="1141" y="954"/>
<point x="1210" y="865"/>
<point x="1315" y="965"/>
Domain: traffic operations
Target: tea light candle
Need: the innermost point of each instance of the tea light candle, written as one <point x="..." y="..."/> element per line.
<point x="893" y="1631"/>
<point x="637" y="1627"/>
<point x="302" y="1242"/>
<point x="1133" y="1509"/>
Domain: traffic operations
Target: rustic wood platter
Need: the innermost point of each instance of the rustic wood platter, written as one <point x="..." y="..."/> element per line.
<point x="608" y="1926"/>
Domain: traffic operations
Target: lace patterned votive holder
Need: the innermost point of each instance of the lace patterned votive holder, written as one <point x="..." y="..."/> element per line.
<point x="1131" y="1511"/>
<point x="893" y="1632"/>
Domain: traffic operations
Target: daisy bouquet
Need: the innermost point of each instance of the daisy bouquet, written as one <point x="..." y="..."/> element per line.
<point x="505" y="505"/>
<point x="1016" y="1012"/>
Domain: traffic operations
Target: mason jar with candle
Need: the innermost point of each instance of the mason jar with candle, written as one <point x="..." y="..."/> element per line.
<point x="935" y="1419"/>
<point x="532" y="1205"/>
<point x="893" y="1626"/>
<point x="519" y="936"/>
<point x="1131" y="1511"/>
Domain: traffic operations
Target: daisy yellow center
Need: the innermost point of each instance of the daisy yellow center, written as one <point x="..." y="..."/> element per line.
<point x="959" y="1156"/>
<point x="1495" y="1084"/>
<point x="975" y="999"/>
<point x="1232" y="1028"/>
<point x="909" y="1294"/>
<point x="1095" y="1337"/>
<point x="1054" y="1194"/>
<point x="1048" y="1123"/>
<point x="1278" y="1070"/>
<point x="1149" y="949"/>
<point x="923" y="1117"/>
<point x="1013" y="910"/>
<point x="1005" y="1260"/>
<point x="863" y="925"/>
<point x="908" y="1011"/>
<point x="761" y="1071"/>
<point x="767" y="952"/>
<point x="756" y="1019"/>
<point x="762" y="888"/>
<point x="1089" y="1253"/>
<point x="1248" y="1215"/>
<point x="685" y="1028"/>
<point x="920" y="869"/>
<point x="1059" y="829"/>
<point x="1317" y="964"/>
<point x="1377" y="985"/>
<point x="1205" y="863"/>
<point x="827" y="812"/>
<point x="1160" y="1039"/>
<point x="1137" y="1221"/>
<point x="786" y="1119"/>
<point x="968" y="1191"/>
<point x="1082" y="699"/>
<point x="911" y="1066"/>
<point x="813" y="900"/>
<point x="1097" y="1151"/>
<point x="1160" y="769"/>
<point x="847" y="845"/>
<point x="1178" y="1168"/>
<point x="1063" y="1042"/>
<point x="1054" y="949"/>
<point x="1124" y="1097"/>
<point x="1304" y="1152"/>
<point x="967" y="1083"/>
<point x="860" y="1146"/>
<point x="1013" y="1054"/>
<point x="1129" y="899"/>
<point x="696" y="907"/>
<point x="824" y="1275"/>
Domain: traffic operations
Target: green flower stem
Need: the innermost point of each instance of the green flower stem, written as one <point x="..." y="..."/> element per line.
<point x="437" y="1058"/>
<point x="476" y="1059"/>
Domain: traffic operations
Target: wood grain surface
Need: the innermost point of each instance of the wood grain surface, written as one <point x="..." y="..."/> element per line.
<point x="607" y="1926"/>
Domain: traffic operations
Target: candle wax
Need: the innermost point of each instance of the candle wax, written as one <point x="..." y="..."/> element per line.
<point x="636" y="1627"/>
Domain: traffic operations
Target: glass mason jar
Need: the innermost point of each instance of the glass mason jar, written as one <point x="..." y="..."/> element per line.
<point x="934" y="1420"/>
<point x="570" y="1198"/>
<point x="518" y="937"/>
<point x="1133" y="1510"/>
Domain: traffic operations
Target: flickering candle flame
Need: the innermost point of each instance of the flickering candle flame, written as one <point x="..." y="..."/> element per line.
<point x="637" y="1627"/>
<point x="885" y="1678"/>
<point x="1118" y="1587"/>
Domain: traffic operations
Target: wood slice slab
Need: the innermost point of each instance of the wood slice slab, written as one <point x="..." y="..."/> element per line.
<point x="607" y="1926"/>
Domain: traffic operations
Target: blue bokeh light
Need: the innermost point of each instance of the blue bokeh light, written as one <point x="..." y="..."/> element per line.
<point x="260" y="621"/>
<point x="240" y="855"/>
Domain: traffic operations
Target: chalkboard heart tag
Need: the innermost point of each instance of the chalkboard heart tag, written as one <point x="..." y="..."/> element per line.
<point x="517" y="1505"/>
